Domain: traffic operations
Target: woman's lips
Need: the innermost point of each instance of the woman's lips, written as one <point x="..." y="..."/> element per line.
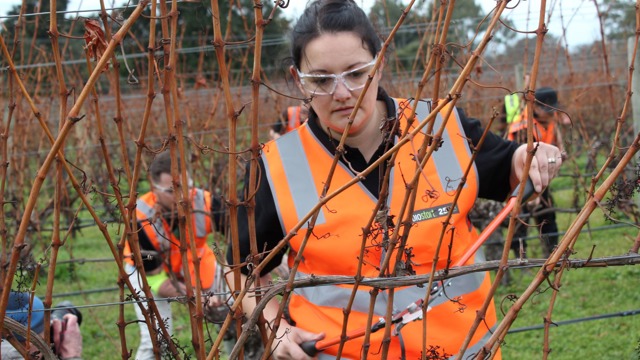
<point x="343" y="110"/>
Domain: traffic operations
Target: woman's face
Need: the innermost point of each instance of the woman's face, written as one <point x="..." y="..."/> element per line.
<point x="336" y="53"/>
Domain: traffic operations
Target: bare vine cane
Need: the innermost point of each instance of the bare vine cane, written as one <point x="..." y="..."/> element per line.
<point x="14" y="328"/>
<point x="558" y="255"/>
<point x="231" y="115"/>
<point x="177" y="150"/>
<point x="54" y="152"/>
<point x="132" y="237"/>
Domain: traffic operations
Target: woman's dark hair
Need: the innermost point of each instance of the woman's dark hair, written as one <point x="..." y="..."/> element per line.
<point x="332" y="16"/>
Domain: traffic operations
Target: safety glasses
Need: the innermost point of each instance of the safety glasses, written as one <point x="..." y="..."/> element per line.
<point x="170" y="190"/>
<point x="325" y="84"/>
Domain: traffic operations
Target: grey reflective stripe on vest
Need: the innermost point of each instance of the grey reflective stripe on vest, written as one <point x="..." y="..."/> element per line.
<point x="338" y="297"/>
<point x="474" y="349"/>
<point x="298" y="176"/>
<point x="323" y="356"/>
<point x="156" y="227"/>
<point x="445" y="160"/>
<point x="145" y="208"/>
<point x="200" y="213"/>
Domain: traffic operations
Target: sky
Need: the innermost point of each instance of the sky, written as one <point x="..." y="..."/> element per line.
<point x="579" y="16"/>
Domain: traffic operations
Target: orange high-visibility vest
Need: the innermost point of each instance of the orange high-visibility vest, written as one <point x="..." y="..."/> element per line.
<point x="294" y="117"/>
<point x="167" y="244"/>
<point x="297" y="166"/>
<point x="542" y="133"/>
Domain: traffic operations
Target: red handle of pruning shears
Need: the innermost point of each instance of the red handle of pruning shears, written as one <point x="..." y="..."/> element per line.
<point x="488" y="230"/>
<point x="497" y="220"/>
<point x="314" y="347"/>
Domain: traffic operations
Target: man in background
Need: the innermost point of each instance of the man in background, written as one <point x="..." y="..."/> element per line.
<point x="159" y="240"/>
<point x="546" y="113"/>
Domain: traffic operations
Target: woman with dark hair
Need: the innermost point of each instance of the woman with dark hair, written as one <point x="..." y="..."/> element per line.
<point x="334" y="48"/>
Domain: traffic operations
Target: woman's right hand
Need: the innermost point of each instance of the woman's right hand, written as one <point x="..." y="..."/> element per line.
<point x="287" y="342"/>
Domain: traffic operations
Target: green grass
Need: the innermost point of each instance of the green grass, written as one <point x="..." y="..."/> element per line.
<point x="583" y="293"/>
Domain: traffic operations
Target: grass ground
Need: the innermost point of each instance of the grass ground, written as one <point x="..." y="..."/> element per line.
<point x="584" y="293"/>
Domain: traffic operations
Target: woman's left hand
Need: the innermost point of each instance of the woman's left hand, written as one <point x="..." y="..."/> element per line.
<point x="544" y="166"/>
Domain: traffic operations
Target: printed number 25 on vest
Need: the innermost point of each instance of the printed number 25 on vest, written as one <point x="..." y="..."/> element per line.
<point x="433" y="213"/>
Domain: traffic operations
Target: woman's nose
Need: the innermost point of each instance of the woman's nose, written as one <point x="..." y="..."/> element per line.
<point x="342" y="92"/>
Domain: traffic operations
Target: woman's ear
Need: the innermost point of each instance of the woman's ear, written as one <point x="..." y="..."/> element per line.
<point x="296" y="78"/>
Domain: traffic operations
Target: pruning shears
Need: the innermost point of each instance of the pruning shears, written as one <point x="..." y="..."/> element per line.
<point x="488" y="230"/>
<point x="410" y="313"/>
<point x="413" y="312"/>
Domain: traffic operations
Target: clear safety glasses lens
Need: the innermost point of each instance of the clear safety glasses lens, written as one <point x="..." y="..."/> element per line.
<point x="169" y="190"/>
<point x="325" y="84"/>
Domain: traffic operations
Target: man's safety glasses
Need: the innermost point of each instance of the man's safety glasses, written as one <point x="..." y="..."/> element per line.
<point x="169" y="190"/>
<point x="325" y="84"/>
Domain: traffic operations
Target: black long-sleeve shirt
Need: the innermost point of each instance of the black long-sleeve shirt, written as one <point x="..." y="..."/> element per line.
<point x="493" y="163"/>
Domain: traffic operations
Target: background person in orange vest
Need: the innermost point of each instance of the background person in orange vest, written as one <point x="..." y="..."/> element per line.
<point x="334" y="48"/>
<point x="545" y="122"/>
<point x="290" y="119"/>
<point x="159" y="239"/>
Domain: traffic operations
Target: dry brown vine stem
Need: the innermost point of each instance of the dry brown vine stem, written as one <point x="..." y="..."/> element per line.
<point x="54" y="151"/>
<point x="219" y="44"/>
<point x="55" y="236"/>
<point x="132" y="237"/>
<point x="400" y="281"/>
<point x="541" y="31"/>
<point x="566" y="243"/>
<point x="4" y="151"/>
<point x="13" y="328"/>
<point x="118" y="196"/>
<point x="176" y="142"/>
<point x="260" y="24"/>
<point x="278" y="287"/>
<point x="616" y="141"/>
<point x="530" y="152"/>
